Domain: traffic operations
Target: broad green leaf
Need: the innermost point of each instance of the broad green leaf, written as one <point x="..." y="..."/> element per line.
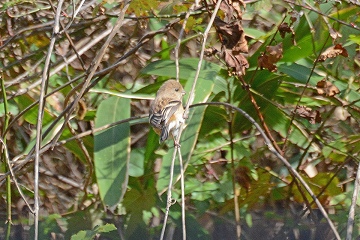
<point x="187" y="69"/>
<point x="299" y="73"/>
<point x="111" y="150"/>
<point x="279" y="121"/>
<point x="136" y="164"/>
<point x="302" y="49"/>
<point x="31" y="114"/>
<point x="136" y="201"/>
<point x="91" y="234"/>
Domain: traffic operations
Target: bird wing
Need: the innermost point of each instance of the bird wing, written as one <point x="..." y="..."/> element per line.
<point x="160" y="119"/>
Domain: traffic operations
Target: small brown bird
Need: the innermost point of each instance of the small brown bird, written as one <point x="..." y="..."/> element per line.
<point x="166" y="111"/>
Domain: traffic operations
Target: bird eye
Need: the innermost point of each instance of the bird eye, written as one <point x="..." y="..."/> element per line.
<point x="176" y="89"/>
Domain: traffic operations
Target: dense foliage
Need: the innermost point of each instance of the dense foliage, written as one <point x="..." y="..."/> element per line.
<point x="293" y="66"/>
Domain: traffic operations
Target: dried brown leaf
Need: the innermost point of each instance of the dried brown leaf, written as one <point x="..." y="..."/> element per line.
<point x="326" y="88"/>
<point x="231" y="35"/>
<point x="242" y="176"/>
<point x="264" y="62"/>
<point x="273" y="55"/>
<point x="313" y="116"/>
<point x="275" y="52"/>
<point x="236" y="4"/>
<point x="332" y="52"/>
<point x="294" y="16"/>
<point x="334" y="34"/>
<point x="285" y="28"/>
<point x="238" y="63"/>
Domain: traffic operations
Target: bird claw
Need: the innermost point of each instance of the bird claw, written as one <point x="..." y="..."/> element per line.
<point x="177" y="145"/>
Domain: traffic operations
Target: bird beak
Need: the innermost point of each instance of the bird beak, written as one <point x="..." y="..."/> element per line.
<point x="183" y="92"/>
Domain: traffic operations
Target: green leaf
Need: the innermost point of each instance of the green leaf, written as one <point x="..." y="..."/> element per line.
<point x="111" y="150"/>
<point x="136" y="164"/>
<point x="136" y="201"/>
<point x="302" y="49"/>
<point x="31" y="114"/>
<point x="299" y="73"/>
<point x="187" y="66"/>
<point x="279" y="121"/>
<point x="90" y="234"/>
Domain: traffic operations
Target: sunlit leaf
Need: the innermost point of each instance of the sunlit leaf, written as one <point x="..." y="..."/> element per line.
<point x="111" y="150"/>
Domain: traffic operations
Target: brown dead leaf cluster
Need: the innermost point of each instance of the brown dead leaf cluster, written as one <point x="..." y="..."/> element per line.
<point x="285" y="28"/>
<point x="232" y="36"/>
<point x="326" y="88"/>
<point x="243" y="177"/>
<point x="313" y="116"/>
<point x="271" y="56"/>
<point x="333" y="52"/>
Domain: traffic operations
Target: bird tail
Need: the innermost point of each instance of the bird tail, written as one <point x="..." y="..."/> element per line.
<point x="164" y="134"/>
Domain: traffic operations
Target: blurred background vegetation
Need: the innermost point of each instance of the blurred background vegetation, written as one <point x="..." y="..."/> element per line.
<point x="292" y="65"/>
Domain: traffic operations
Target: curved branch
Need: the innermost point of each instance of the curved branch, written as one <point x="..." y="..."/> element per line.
<point x="278" y="155"/>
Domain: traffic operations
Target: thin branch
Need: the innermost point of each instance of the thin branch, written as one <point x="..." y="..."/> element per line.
<point x="351" y="218"/>
<point x="44" y="84"/>
<point x="233" y="173"/>
<point x="4" y="155"/>
<point x="73" y="17"/>
<point x="169" y="201"/>
<point x="178" y="43"/>
<point x="12" y="174"/>
<point x="182" y="177"/>
<point x="283" y="160"/>
<point x="201" y="57"/>
<point x="177" y="49"/>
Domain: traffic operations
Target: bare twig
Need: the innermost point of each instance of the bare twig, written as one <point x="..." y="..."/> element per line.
<point x="14" y="177"/>
<point x="201" y="57"/>
<point x="75" y="12"/>
<point x="351" y="218"/>
<point x="302" y="94"/>
<point x="44" y="83"/>
<point x="177" y="49"/>
<point x="309" y="7"/>
<point x="169" y="201"/>
<point x="233" y="173"/>
<point x="182" y="177"/>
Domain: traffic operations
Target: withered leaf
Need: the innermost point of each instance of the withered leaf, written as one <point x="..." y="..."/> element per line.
<point x="294" y="16"/>
<point x="285" y="28"/>
<point x="231" y="35"/>
<point x="273" y="55"/>
<point x="326" y="88"/>
<point x="242" y="176"/>
<point x="334" y="34"/>
<point x="230" y="7"/>
<point x="264" y="62"/>
<point x="313" y="116"/>
<point x="236" y="4"/>
<point x="332" y="52"/>
<point x="238" y="63"/>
